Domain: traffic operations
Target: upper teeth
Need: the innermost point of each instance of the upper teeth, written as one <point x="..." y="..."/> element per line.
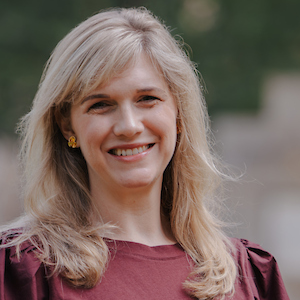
<point x="128" y="152"/>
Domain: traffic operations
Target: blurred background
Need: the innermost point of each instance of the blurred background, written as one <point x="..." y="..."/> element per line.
<point x="248" y="53"/>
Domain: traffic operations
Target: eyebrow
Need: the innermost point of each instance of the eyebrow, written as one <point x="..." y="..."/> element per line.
<point x="150" y="89"/>
<point x="106" y="96"/>
<point x="95" y="96"/>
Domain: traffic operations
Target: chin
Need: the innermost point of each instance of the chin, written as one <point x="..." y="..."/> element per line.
<point x="132" y="184"/>
<point x="138" y="181"/>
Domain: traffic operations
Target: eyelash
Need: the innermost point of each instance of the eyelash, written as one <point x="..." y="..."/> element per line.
<point x="99" y="105"/>
<point x="148" y="98"/>
<point x="103" y="104"/>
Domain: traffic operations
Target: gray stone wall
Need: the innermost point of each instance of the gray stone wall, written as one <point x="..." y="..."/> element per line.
<point x="11" y="205"/>
<point x="266" y="149"/>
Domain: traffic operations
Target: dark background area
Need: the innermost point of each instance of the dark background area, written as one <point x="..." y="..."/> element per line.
<point x="235" y="44"/>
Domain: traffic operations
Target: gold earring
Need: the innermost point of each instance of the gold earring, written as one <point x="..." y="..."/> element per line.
<point x="72" y="142"/>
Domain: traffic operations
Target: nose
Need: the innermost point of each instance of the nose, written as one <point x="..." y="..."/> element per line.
<point x="128" y="122"/>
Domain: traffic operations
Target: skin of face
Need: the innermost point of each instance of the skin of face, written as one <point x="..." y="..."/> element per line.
<point x="135" y="111"/>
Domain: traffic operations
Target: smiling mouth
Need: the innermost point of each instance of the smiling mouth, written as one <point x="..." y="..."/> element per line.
<point x="129" y="152"/>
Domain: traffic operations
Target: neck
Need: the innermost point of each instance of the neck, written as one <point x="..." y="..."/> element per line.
<point x="136" y="213"/>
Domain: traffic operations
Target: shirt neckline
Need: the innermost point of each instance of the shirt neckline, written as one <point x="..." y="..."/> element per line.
<point x="137" y="249"/>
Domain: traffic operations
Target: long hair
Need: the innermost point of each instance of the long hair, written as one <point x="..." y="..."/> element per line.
<point x="56" y="192"/>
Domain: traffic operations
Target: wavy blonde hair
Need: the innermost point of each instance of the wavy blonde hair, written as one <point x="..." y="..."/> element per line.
<point x="57" y="200"/>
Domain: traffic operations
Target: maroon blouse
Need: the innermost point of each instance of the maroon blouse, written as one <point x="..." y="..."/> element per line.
<point x="137" y="271"/>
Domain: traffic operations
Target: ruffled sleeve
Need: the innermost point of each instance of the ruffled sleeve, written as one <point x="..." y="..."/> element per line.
<point x="23" y="278"/>
<point x="259" y="273"/>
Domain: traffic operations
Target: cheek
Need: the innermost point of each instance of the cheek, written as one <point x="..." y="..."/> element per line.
<point x="166" y="125"/>
<point x="89" y="133"/>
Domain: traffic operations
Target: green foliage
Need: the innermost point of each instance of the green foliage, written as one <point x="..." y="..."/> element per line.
<point x="235" y="44"/>
<point x="29" y="31"/>
<point x="248" y="40"/>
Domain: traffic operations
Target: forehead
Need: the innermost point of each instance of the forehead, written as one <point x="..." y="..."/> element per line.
<point x="141" y="74"/>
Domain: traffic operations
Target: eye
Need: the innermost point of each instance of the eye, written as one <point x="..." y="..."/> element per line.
<point x="148" y="99"/>
<point x="101" y="105"/>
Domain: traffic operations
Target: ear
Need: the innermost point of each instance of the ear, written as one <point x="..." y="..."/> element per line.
<point x="65" y="126"/>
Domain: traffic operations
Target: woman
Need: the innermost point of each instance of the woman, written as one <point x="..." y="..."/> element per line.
<point x="119" y="178"/>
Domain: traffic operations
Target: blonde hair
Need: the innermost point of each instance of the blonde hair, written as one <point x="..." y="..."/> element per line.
<point x="57" y="199"/>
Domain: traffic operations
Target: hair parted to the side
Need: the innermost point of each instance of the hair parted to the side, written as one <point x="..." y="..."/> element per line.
<point x="57" y="200"/>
